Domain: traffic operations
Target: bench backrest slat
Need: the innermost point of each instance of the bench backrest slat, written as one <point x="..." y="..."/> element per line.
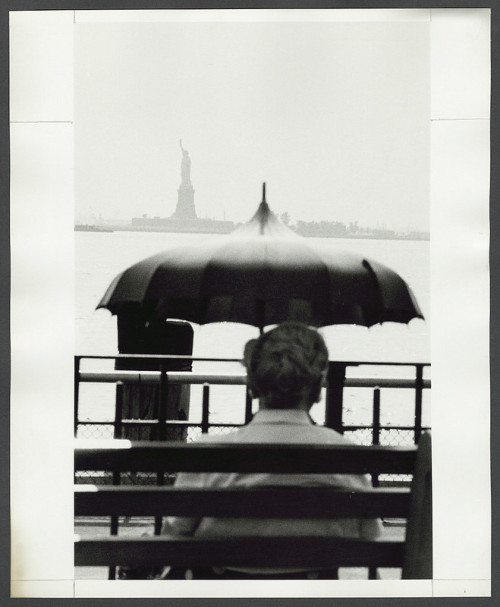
<point x="287" y="502"/>
<point x="226" y="457"/>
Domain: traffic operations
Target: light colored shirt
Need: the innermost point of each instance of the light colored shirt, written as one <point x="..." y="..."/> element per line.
<point x="276" y="427"/>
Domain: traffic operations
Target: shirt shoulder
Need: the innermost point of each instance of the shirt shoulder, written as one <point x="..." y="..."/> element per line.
<point x="322" y="434"/>
<point x="275" y="433"/>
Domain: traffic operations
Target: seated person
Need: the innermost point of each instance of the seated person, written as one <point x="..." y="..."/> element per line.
<point x="286" y="367"/>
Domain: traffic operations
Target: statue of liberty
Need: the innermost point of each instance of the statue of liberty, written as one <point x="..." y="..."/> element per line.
<point x="185" y="166"/>
<point x="185" y="209"/>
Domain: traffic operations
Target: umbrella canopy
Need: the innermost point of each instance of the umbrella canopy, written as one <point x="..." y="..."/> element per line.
<point x="263" y="274"/>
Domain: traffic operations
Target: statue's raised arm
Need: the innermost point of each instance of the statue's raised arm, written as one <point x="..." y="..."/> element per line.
<point x="180" y="143"/>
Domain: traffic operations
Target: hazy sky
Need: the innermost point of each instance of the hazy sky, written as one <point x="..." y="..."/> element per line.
<point x="333" y="116"/>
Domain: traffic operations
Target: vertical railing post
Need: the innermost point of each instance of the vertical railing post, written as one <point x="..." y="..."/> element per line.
<point x="376" y="416"/>
<point x="334" y="396"/>
<point x="116" y="474"/>
<point x="205" y="409"/>
<point x="376" y="426"/>
<point x="118" y="425"/>
<point x="76" y="393"/>
<point x="162" y="403"/>
<point x="248" y="406"/>
<point x="372" y="571"/>
<point x="162" y="430"/>
<point x="419" y="385"/>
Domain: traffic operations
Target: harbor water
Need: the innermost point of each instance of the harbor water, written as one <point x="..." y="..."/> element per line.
<point x="100" y="256"/>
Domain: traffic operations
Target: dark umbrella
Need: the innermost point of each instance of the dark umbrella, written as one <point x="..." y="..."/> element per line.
<point x="262" y="274"/>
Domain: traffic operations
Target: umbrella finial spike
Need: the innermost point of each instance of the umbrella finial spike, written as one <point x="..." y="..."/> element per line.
<point x="264" y="192"/>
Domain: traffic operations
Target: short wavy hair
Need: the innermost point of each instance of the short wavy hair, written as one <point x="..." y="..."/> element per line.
<point x="285" y="361"/>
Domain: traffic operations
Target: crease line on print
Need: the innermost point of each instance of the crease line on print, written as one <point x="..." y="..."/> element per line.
<point x="41" y="122"/>
<point x="459" y="119"/>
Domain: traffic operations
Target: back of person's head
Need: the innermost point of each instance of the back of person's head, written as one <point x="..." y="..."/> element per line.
<point x="286" y="364"/>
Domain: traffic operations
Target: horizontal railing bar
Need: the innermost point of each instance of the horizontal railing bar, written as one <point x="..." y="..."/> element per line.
<point x="382" y="382"/>
<point x="154" y="422"/>
<point x="256" y="502"/>
<point x="238" y="360"/>
<point x="295" y="551"/>
<point x="125" y="455"/>
<point x="173" y="423"/>
<point x="183" y="377"/>
<point x="167" y="357"/>
<point x="144" y="422"/>
<point x="154" y="377"/>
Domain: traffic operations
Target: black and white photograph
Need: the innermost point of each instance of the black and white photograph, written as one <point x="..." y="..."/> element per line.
<point x="249" y="233"/>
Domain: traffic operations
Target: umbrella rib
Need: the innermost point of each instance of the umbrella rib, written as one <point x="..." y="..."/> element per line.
<point x="378" y="289"/>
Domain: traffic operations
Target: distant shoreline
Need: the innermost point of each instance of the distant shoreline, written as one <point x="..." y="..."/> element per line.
<point x="225" y="230"/>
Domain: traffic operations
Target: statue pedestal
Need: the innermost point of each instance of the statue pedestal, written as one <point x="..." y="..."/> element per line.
<point x="185" y="203"/>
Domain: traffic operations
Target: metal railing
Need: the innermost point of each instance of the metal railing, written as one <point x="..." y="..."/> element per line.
<point x="335" y="383"/>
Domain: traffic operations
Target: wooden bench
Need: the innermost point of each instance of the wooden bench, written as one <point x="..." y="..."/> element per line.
<point x="413" y="554"/>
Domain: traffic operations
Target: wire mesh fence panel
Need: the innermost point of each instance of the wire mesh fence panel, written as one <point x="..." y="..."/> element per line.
<point x="360" y="436"/>
<point x="146" y="478"/>
<point x="98" y="431"/>
<point x="397" y="437"/>
<point x="394" y="480"/>
<point x="93" y="477"/>
<point x="193" y="434"/>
